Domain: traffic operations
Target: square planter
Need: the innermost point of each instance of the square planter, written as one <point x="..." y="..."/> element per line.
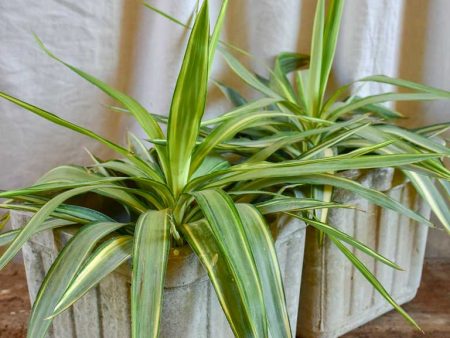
<point x="191" y="308"/>
<point x="336" y="298"/>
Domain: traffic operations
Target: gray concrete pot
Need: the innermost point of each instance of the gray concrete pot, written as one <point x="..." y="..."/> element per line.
<point x="335" y="296"/>
<point x="191" y="308"/>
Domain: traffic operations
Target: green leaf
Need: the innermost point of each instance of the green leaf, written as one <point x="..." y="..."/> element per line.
<point x="297" y="168"/>
<point x="244" y="109"/>
<point x="427" y="189"/>
<point x="150" y="255"/>
<point x="104" y="260"/>
<point x="228" y="230"/>
<point x="188" y="102"/>
<point x="371" y="195"/>
<point x="263" y="249"/>
<point x="231" y="94"/>
<point x="285" y="63"/>
<point x="9" y="236"/>
<point x="379" y="98"/>
<point x="59" y="121"/>
<point x="313" y="99"/>
<point x="284" y="204"/>
<point x="143" y="117"/>
<point x="331" y="231"/>
<point x="372" y="280"/>
<point x="288" y="62"/>
<point x="279" y="142"/>
<point x="210" y="164"/>
<point x="229" y="128"/>
<point x="378" y="109"/>
<point x="73" y="174"/>
<point x="62" y="271"/>
<point x="216" y="33"/>
<point x="33" y="226"/>
<point x="66" y="212"/>
<point x="215" y="260"/>
<point x="326" y="144"/>
<point x="433" y="130"/>
<point x="415" y="138"/>
<point x="331" y="32"/>
<point x="408" y="84"/>
<point x="247" y="76"/>
<point x="167" y="16"/>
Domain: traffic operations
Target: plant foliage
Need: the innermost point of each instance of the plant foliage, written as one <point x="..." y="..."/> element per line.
<point x="188" y="191"/>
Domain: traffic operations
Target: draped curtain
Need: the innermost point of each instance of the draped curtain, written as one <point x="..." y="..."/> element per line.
<point x="137" y="51"/>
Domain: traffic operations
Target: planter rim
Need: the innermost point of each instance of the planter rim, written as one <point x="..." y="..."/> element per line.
<point x="183" y="268"/>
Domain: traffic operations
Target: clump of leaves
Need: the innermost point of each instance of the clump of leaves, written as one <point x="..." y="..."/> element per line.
<point x="307" y="124"/>
<point x="181" y="192"/>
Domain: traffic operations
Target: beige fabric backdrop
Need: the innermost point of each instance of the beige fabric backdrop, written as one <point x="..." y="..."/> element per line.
<point x="132" y="48"/>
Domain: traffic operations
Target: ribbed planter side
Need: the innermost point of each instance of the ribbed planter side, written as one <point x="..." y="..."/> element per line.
<point x="191" y="308"/>
<point x="336" y="298"/>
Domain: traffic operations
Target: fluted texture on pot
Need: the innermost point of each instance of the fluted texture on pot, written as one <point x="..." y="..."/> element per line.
<point x="335" y="296"/>
<point x="191" y="308"/>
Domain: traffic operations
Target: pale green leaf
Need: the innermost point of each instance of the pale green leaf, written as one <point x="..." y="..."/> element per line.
<point x="104" y="260"/>
<point x="150" y="256"/>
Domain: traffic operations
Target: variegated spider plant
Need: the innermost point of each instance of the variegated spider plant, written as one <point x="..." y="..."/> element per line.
<point x="319" y="126"/>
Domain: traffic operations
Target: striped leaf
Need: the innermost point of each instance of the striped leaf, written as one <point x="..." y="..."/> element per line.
<point x="247" y="76"/>
<point x="263" y="249"/>
<point x="427" y="189"/>
<point x="33" y="226"/>
<point x="59" y="121"/>
<point x="211" y="253"/>
<point x="244" y="109"/>
<point x="297" y="168"/>
<point x="73" y="174"/>
<point x="9" y="236"/>
<point x="62" y="271"/>
<point x="331" y="231"/>
<point x="284" y="204"/>
<point x="337" y="112"/>
<point x="331" y="32"/>
<point x="408" y="84"/>
<point x="104" y="260"/>
<point x="417" y="139"/>
<point x="150" y="255"/>
<point x="371" y="195"/>
<point x="229" y="128"/>
<point x="372" y="280"/>
<point x="313" y="90"/>
<point x="216" y="33"/>
<point x="188" y="102"/>
<point x="228" y="231"/>
<point x="142" y="116"/>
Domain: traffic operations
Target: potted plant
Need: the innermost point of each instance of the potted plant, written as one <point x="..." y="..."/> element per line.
<point x="185" y="200"/>
<point x="336" y="298"/>
<point x="162" y="213"/>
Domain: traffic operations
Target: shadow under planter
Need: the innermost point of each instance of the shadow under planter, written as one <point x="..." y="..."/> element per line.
<point x="336" y="298"/>
<point x="191" y="308"/>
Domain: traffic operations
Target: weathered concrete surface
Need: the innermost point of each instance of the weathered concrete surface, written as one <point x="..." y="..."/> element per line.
<point x="336" y="298"/>
<point x="438" y="244"/>
<point x="191" y="308"/>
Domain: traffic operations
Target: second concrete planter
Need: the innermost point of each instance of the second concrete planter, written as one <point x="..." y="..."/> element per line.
<point x="191" y="308"/>
<point x="336" y="298"/>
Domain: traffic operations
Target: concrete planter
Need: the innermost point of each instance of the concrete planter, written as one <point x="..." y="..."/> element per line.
<point x="191" y="308"/>
<point x="335" y="296"/>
